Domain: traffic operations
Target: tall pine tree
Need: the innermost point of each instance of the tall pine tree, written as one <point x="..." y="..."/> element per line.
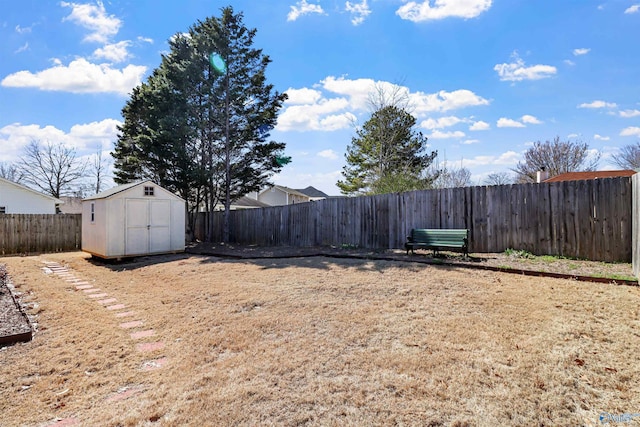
<point x="200" y="124"/>
<point x="387" y="155"/>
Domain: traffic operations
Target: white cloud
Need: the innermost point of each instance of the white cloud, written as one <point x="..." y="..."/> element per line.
<point x="311" y="116"/>
<point x="424" y="11"/>
<point x="421" y="103"/>
<point x="328" y="154"/>
<point x="508" y="158"/>
<point x="357" y="90"/>
<point x="115" y="52"/>
<point x="342" y="98"/>
<point x="572" y="135"/>
<point x="530" y="119"/>
<point x="303" y="8"/>
<point x="80" y="76"/>
<point x="106" y="129"/>
<point x="359" y="11"/>
<point x="581" y="51"/>
<point x="337" y="121"/>
<point x="302" y="96"/>
<point x="598" y="104"/>
<point x="22" y="48"/>
<point x="601" y="138"/>
<point x="85" y="138"/>
<point x="470" y="141"/>
<point x="569" y="62"/>
<point x="94" y="18"/>
<point x="23" y="30"/>
<point x="445" y="101"/>
<point x="503" y="122"/>
<point x="446" y="135"/>
<point x="630" y="131"/>
<point x="440" y="123"/>
<point x="517" y="71"/>
<point x="480" y="125"/>
<point x="627" y="114"/>
<point x="145" y="39"/>
<point x="632" y="9"/>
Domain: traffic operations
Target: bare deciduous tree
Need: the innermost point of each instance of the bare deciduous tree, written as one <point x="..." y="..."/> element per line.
<point x="51" y="168"/>
<point x="98" y="166"/>
<point x="11" y="172"/>
<point x="385" y="94"/>
<point x="499" y="178"/>
<point x="628" y="157"/>
<point x="452" y="177"/>
<point x="556" y="157"/>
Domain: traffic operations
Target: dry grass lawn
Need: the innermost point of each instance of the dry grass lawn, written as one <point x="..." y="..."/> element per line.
<point x="320" y="341"/>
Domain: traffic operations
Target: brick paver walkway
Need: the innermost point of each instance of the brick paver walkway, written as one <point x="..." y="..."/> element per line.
<point x="109" y="302"/>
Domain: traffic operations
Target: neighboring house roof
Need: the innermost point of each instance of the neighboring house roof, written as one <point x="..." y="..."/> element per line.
<point x="22" y="187"/>
<point x="578" y="176"/>
<point x="286" y="190"/>
<point x="72" y="205"/>
<point x="248" y="202"/>
<point x="312" y="192"/>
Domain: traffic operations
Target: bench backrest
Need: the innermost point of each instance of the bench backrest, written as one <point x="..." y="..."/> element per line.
<point x="445" y="237"/>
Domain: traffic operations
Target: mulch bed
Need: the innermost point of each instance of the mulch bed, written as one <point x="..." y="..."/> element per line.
<point x="14" y="325"/>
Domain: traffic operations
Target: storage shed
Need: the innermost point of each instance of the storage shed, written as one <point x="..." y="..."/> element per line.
<point x="135" y="219"/>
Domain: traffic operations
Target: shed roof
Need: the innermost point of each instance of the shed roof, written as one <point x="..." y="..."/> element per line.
<point x="578" y="176"/>
<point x="120" y="188"/>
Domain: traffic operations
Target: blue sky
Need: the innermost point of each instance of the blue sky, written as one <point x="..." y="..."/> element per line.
<point x="484" y="78"/>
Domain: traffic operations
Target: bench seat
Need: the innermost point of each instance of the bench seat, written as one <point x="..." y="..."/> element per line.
<point x="438" y="239"/>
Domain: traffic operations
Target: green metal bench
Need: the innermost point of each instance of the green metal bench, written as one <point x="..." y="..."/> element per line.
<point x="451" y="239"/>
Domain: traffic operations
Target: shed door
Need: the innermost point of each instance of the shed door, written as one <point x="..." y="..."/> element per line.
<point x="148" y="224"/>
<point x="159" y="225"/>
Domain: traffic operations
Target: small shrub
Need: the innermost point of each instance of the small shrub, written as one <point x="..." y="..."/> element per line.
<point x="518" y="253"/>
<point x="349" y="246"/>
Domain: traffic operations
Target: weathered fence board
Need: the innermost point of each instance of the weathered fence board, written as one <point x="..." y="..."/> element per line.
<point x="20" y="233"/>
<point x="588" y="219"/>
<point x="635" y="228"/>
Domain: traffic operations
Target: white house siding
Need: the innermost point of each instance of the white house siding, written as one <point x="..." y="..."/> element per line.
<point x="274" y="197"/>
<point x="19" y="200"/>
<point x="277" y="196"/>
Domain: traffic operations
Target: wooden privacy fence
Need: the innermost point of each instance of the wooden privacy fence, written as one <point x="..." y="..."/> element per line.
<point x="635" y="245"/>
<point x="21" y="234"/>
<point x="588" y="219"/>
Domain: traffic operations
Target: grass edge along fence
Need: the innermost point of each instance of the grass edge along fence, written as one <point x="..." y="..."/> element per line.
<point x="39" y="233"/>
<point x="589" y="219"/>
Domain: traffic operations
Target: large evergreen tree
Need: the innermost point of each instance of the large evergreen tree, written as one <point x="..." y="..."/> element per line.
<point x="387" y="155"/>
<point x="200" y="123"/>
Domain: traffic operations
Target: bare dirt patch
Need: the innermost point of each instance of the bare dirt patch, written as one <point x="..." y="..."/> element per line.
<point x="322" y="341"/>
<point x="508" y="260"/>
